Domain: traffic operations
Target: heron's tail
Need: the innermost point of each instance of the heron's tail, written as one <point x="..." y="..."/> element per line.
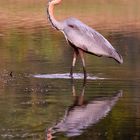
<point x="117" y="57"/>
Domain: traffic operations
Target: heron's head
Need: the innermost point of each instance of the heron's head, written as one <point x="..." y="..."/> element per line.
<point x="54" y="1"/>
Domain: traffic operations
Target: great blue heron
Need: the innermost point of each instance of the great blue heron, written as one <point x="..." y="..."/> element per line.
<point x="82" y="38"/>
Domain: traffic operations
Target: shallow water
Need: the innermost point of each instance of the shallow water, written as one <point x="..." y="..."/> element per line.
<point x="67" y="76"/>
<point x="38" y="99"/>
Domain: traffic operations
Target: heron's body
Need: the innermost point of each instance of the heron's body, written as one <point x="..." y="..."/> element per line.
<point x="82" y="37"/>
<point x="87" y="39"/>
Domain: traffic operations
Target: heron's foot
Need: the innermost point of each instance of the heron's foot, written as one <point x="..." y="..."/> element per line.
<point x="71" y="72"/>
<point x="85" y="77"/>
<point x="71" y="75"/>
<point x="85" y="74"/>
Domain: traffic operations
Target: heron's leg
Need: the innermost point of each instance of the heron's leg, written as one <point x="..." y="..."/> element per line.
<point x="75" y="54"/>
<point x="83" y="62"/>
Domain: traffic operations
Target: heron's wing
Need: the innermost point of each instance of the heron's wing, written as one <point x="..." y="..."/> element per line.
<point x="86" y="38"/>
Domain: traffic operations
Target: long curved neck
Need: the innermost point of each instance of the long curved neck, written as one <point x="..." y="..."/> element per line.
<point x="51" y="17"/>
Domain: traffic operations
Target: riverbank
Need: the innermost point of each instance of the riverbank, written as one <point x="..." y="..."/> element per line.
<point x="122" y="15"/>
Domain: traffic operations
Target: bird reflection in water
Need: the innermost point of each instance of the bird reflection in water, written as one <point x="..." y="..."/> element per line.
<point x="82" y="114"/>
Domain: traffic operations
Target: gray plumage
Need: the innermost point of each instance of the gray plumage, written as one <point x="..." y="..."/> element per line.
<point x="88" y="39"/>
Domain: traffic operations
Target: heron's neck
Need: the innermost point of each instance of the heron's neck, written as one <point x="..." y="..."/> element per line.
<point x="51" y="17"/>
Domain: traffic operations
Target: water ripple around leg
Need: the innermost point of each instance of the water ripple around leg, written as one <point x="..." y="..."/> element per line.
<point x="67" y="76"/>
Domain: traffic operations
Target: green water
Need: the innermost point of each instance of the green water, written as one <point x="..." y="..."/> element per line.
<point x="30" y="106"/>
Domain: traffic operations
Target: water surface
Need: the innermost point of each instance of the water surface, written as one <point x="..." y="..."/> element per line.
<point x="38" y="100"/>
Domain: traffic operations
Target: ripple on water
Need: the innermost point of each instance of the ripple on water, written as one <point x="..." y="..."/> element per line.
<point x="67" y="76"/>
<point x="16" y="134"/>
